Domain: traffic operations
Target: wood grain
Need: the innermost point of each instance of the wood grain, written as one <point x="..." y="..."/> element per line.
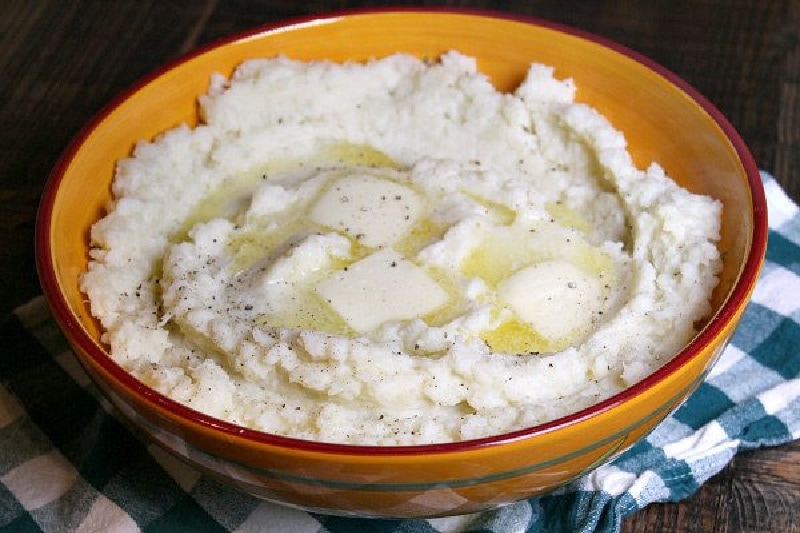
<point x="61" y="62"/>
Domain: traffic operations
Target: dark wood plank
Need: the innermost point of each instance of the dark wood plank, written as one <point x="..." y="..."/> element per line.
<point x="766" y="489"/>
<point x="787" y="149"/>
<point x="61" y="62"/>
<point x="759" y="491"/>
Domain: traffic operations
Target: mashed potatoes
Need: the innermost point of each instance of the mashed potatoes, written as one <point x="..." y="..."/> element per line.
<point x="395" y="253"/>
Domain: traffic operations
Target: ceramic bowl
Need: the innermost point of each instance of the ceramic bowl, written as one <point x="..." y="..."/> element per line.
<point x="664" y="120"/>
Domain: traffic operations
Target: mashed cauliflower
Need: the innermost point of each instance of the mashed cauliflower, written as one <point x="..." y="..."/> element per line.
<point x="395" y="253"/>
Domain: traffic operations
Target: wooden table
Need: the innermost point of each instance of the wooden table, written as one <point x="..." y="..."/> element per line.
<point x="62" y="60"/>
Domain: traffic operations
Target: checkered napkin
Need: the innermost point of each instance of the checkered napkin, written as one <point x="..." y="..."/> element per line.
<point x="68" y="464"/>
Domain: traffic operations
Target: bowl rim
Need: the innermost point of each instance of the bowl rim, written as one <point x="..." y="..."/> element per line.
<point x="64" y="316"/>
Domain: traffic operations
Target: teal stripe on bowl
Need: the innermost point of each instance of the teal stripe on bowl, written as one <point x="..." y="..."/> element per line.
<point x="194" y="453"/>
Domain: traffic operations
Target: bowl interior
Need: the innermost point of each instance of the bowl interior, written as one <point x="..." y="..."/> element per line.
<point x="662" y="122"/>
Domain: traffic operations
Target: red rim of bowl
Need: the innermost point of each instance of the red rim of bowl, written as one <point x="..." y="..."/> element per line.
<point x="69" y="322"/>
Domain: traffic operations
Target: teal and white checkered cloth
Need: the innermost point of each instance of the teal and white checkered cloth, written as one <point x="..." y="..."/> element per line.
<point x="68" y="464"/>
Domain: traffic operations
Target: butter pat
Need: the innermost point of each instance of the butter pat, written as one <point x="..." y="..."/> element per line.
<point x="556" y="298"/>
<point x="374" y="211"/>
<point x="381" y="287"/>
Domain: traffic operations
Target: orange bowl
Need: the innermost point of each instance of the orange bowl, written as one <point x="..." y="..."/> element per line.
<point x="663" y="119"/>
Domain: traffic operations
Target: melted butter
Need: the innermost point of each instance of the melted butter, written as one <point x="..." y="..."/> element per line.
<point x="455" y="301"/>
<point x="353" y="154"/>
<point x="307" y="311"/>
<point x="514" y="336"/>
<point x="493" y="260"/>
<point x="593" y="260"/>
<point x="567" y="217"/>
<point x="223" y="202"/>
<point x="230" y="196"/>
<point x="248" y="248"/>
<point x="423" y="233"/>
<point x="502" y="252"/>
<point x="500" y="214"/>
